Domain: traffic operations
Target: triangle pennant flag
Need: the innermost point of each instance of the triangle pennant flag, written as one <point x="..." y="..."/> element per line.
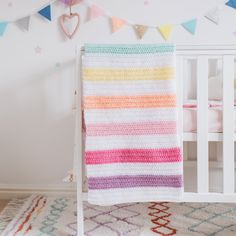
<point x="23" y="23"/>
<point x="165" y="31"/>
<point x="95" y="12"/>
<point x="231" y="3"/>
<point x="3" y="26"/>
<point x="214" y="15"/>
<point x="117" y="24"/>
<point x="140" y="30"/>
<point x="190" y="26"/>
<point x="46" y="12"/>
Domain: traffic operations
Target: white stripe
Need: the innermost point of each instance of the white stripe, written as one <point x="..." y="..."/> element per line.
<point x="114" y="88"/>
<point x="134" y="169"/>
<point x="130" y="115"/>
<point x="108" y="197"/>
<point x="127" y="61"/>
<point x="119" y="142"/>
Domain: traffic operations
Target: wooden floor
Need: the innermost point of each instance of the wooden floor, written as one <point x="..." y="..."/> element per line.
<point x="3" y="203"/>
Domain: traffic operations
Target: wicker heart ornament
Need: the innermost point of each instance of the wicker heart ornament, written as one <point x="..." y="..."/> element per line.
<point x="64" y="18"/>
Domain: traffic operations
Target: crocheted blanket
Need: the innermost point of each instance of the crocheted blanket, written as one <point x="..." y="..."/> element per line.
<point x="132" y="150"/>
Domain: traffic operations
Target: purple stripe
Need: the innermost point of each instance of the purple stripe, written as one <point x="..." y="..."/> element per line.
<point x="131" y="181"/>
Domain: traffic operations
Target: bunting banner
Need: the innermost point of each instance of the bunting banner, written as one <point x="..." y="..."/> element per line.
<point x="214" y="15"/>
<point x="117" y="24"/>
<point x="46" y="12"/>
<point x="23" y="23"/>
<point x="95" y="12"/>
<point x="3" y="26"/>
<point x="140" y="30"/>
<point x="165" y="31"/>
<point x="231" y="3"/>
<point x="190" y="26"/>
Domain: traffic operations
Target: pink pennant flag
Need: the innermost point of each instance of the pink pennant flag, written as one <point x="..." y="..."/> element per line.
<point x="95" y="12"/>
<point x="117" y="23"/>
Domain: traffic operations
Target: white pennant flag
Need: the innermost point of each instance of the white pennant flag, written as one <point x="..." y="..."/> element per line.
<point x="214" y="15"/>
<point x="23" y="23"/>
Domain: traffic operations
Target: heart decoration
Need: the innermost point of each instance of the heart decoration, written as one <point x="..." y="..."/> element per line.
<point x="71" y="2"/>
<point x="64" y="18"/>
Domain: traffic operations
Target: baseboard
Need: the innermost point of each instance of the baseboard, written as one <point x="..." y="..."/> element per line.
<point x="13" y="191"/>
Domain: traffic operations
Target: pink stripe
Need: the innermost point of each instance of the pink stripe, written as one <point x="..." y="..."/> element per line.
<point x="189" y="106"/>
<point x="143" y="128"/>
<point x="210" y="105"/>
<point x="133" y="155"/>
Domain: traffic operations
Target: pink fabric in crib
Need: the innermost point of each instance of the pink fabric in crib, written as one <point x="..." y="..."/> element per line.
<point x="215" y="117"/>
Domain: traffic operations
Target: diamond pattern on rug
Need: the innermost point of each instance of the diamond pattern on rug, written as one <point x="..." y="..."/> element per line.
<point x="123" y="219"/>
<point x="161" y="218"/>
<point x="56" y="216"/>
<point x="209" y="219"/>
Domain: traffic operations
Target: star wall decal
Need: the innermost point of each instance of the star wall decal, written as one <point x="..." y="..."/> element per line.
<point x="38" y="50"/>
<point x="58" y="65"/>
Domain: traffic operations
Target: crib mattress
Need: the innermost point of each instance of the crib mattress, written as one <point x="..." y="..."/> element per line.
<point x="215" y="117"/>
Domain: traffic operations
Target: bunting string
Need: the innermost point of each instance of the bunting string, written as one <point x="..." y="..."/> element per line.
<point x="95" y="11"/>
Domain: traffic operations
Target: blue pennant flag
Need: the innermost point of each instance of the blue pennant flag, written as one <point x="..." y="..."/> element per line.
<point x="3" y="26"/>
<point x="231" y="3"/>
<point x="190" y="25"/>
<point x="46" y="12"/>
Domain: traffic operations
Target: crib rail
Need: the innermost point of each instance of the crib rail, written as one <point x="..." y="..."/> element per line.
<point x="202" y="124"/>
<point x="228" y="124"/>
<point x="202" y="55"/>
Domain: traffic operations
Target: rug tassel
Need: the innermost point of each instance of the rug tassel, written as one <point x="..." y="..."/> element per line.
<point x="10" y="211"/>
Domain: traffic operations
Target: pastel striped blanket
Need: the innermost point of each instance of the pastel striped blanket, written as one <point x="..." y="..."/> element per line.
<point x="132" y="151"/>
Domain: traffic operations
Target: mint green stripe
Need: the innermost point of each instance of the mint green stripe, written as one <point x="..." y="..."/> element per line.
<point x="129" y="48"/>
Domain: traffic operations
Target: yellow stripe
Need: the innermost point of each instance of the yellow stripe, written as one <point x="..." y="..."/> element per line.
<point x="129" y="74"/>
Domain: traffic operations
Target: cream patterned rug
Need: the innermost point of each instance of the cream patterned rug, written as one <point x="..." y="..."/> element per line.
<point x="40" y="215"/>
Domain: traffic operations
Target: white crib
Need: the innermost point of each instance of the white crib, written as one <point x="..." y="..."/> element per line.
<point x="225" y="158"/>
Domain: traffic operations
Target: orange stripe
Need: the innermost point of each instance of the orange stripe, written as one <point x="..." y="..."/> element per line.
<point x="29" y="215"/>
<point x="146" y="101"/>
<point x="27" y="230"/>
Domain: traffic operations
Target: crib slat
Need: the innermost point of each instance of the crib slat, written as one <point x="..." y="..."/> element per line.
<point x="228" y="124"/>
<point x="202" y="125"/>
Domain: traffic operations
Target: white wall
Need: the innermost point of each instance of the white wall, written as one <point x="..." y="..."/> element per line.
<point x="36" y="90"/>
